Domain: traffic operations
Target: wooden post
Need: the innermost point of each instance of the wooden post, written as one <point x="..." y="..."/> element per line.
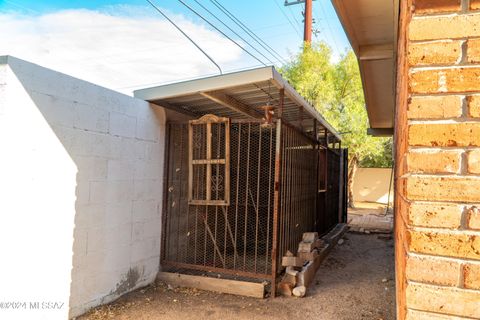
<point x="400" y="143"/>
<point x="307" y="32"/>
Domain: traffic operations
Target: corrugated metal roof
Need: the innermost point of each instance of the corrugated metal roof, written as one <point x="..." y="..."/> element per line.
<point x="252" y="89"/>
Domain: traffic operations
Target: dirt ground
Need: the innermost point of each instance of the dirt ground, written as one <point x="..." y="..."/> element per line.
<point x="356" y="281"/>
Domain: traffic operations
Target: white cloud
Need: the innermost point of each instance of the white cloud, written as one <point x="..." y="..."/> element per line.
<point x="118" y="47"/>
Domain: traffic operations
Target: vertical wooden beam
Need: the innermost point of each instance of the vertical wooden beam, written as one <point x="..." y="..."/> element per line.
<point x="226" y="189"/>
<point x="400" y="140"/>
<point x="209" y="165"/>
<point x="307" y="32"/>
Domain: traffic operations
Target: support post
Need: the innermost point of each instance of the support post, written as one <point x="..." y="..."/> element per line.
<point x="307" y="32"/>
<point x="307" y="15"/>
<point x="340" y="187"/>
<point x="276" y="204"/>
<point x="276" y="195"/>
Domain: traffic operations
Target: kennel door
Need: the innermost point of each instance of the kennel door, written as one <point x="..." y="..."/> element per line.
<point x="209" y="161"/>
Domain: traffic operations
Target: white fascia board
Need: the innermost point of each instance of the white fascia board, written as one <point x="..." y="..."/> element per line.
<point x="230" y="80"/>
<point x="217" y="82"/>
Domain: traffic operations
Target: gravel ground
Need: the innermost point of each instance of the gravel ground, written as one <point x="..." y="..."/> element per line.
<point x="356" y="281"/>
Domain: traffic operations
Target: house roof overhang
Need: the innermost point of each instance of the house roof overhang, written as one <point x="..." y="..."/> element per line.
<point x="238" y="95"/>
<point x="371" y="27"/>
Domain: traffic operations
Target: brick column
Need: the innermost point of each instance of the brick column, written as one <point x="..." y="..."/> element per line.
<point x="440" y="176"/>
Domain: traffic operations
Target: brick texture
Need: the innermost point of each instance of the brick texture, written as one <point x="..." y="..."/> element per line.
<point x="434" y="107"/>
<point x="445" y="80"/>
<point x="473" y="161"/>
<point x="452" y="301"/>
<point x="473" y="50"/>
<point x="435" y="215"/>
<point x="446" y="27"/>
<point x="473" y="103"/>
<point x="444" y="135"/>
<point x="434" y="162"/>
<point x="471" y="276"/>
<point x="466" y="189"/>
<point x="436" y="6"/>
<point x="442" y="178"/>
<point x="445" y="244"/>
<point x="431" y="270"/>
<point x="473" y="218"/>
<point x="475" y="4"/>
<point x="434" y="53"/>
<point x="421" y="315"/>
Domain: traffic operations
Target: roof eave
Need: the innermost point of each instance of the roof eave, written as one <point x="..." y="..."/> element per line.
<point x="219" y="82"/>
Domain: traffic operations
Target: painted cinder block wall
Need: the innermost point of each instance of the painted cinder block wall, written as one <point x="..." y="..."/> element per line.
<point x="438" y="154"/>
<point x="373" y="185"/>
<point x="81" y="172"/>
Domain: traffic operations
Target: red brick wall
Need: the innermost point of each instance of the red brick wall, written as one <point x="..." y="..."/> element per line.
<point x="441" y="180"/>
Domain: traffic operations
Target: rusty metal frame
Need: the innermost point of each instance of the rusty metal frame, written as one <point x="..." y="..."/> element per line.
<point x="276" y="204"/>
<point x="219" y="232"/>
<point x="241" y="273"/>
<point x="208" y="120"/>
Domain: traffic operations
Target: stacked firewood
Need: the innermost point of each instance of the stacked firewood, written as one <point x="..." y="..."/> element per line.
<point x="301" y="268"/>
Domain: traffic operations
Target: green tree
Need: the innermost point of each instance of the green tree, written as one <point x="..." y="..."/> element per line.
<point x="335" y="89"/>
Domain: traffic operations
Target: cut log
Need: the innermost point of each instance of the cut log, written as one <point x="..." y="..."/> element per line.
<point x="285" y="289"/>
<point x="290" y="277"/>
<point x="299" y="291"/>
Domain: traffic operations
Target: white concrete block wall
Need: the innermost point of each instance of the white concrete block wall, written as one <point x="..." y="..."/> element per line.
<point x="81" y="172"/>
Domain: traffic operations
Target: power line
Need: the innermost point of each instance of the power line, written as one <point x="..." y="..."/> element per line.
<point x="329" y="28"/>
<point x="223" y="33"/>
<point x="20" y="6"/>
<point x="293" y="16"/>
<point x="179" y="29"/>
<point x="247" y="30"/>
<point x="288" y="19"/>
<point x="234" y="32"/>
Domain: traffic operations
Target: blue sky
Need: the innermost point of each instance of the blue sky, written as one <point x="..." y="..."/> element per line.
<point x="63" y="47"/>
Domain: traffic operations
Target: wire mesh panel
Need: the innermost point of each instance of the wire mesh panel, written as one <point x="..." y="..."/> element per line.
<point x="234" y="238"/>
<point x="282" y="183"/>
<point x="332" y="212"/>
<point x="298" y="189"/>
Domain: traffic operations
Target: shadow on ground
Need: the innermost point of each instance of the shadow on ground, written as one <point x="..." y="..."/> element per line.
<point x="356" y="281"/>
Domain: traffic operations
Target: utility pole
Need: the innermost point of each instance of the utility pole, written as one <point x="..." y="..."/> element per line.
<point x="307" y="15"/>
